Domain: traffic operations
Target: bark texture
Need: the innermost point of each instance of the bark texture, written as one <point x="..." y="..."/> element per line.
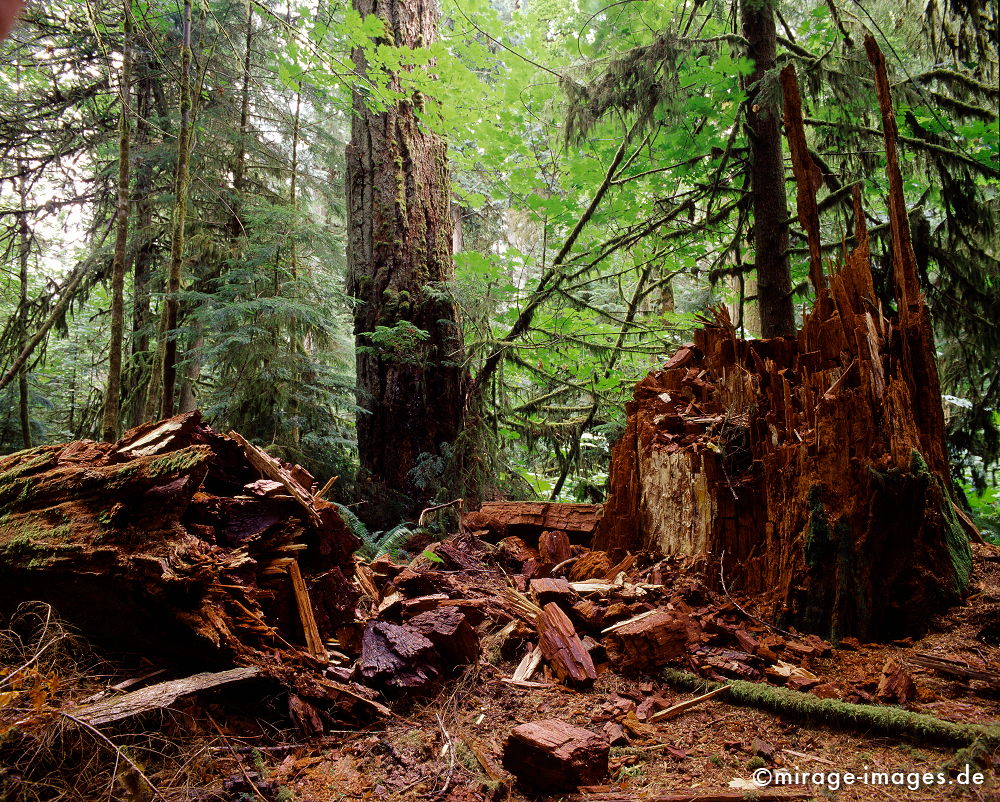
<point x="399" y="253"/>
<point x="112" y="397"/>
<point x="171" y="304"/>
<point x="169" y="542"/>
<point x="767" y="175"/>
<point x="813" y="468"/>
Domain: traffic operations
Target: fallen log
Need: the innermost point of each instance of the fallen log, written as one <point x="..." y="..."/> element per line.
<point x="953" y="668"/>
<point x="159" y="696"/>
<point x="869" y="719"/>
<point x="165" y="543"/>
<point x="700" y="795"/>
<point x="529" y="519"/>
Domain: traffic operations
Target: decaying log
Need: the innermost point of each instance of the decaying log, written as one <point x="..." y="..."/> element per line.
<point x="554" y="756"/>
<point x="397" y="657"/>
<point x="529" y="519"/>
<point x="450" y="631"/>
<point x="701" y="795"/>
<point x="562" y="647"/>
<point x="868" y="719"/>
<point x="813" y="468"/>
<point x="160" y="543"/>
<point x="954" y="668"/>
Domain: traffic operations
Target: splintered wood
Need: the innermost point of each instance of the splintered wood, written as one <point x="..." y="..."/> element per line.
<point x="808" y="471"/>
<point x="562" y="647"/>
<point x="648" y="641"/>
<point x="174" y="540"/>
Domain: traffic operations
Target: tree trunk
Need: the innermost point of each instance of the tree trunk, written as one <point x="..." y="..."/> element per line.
<point x="399" y="247"/>
<point x="294" y="343"/>
<point x="109" y="426"/>
<point x="143" y="245"/>
<point x="24" y="252"/>
<point x="810" y="473"/>
<point x="237" y="230"/>
<point x="171" y="306"/>
<point x="188" y="401"/>
<point x="767" y="175"/>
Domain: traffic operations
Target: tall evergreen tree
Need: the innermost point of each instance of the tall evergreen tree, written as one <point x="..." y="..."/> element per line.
<point x="410" y="371"/>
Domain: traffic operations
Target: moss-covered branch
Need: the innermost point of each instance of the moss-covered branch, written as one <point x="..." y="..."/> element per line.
<point x="892" y="721"/>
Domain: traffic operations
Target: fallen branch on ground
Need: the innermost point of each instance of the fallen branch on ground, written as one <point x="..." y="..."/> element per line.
<point x="873" y="719"/>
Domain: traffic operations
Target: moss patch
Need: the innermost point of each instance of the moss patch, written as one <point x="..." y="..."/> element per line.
<point x="176" y="461"/>
<point x="819" y="545"/>
<point x="24" y="462"/>
<point x="957" y="543"/>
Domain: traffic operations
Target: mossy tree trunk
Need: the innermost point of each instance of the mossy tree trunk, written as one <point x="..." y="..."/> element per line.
<point x="162" y="385"/>
<point x="410" y="373"/>
<point x="23" y="257"/>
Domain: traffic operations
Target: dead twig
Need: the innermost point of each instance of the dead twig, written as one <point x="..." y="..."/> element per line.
<point x="458" y="501"/>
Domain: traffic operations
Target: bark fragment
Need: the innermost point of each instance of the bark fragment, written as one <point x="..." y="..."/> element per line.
<point x="554" y="756"/>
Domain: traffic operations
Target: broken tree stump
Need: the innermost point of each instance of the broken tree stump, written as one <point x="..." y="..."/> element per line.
<point x="554" y="756"/>
<point x="809" y="472"/>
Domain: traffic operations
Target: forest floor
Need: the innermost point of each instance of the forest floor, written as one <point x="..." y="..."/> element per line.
<point x="239" y="743"/>
<point x="712" y="748"/>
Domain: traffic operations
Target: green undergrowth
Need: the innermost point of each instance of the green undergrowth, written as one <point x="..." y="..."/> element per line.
<point x="891" y="721"/>
<point x="375" y="544"/>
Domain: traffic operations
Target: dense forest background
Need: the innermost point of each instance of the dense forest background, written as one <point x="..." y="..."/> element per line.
<point x="602" y="196"/>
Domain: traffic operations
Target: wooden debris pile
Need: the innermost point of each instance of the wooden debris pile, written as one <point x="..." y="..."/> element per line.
<point x="178" y="542"/>
<point x="567" y="621"/>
